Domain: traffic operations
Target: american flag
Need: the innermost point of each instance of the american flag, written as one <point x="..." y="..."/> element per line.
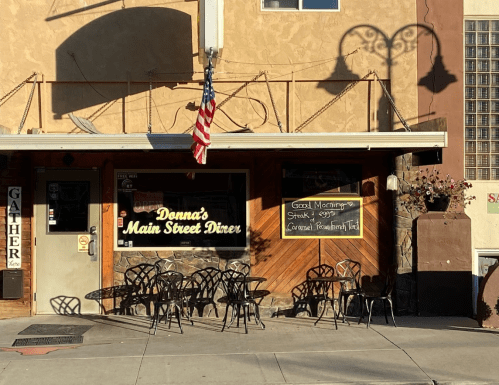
<point x="201" y="133"/>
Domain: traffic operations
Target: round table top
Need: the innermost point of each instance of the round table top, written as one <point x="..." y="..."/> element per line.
<point x="250" y="279"/>
<point x="110" y="292"/>
<point x="333" y="278"/>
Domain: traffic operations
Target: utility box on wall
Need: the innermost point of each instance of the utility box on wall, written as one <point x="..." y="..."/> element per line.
<point x="12" y="284"/>
<point x="444" y="265"/>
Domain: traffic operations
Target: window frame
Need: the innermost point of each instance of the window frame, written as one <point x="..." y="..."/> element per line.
<point x="299" y="9"/>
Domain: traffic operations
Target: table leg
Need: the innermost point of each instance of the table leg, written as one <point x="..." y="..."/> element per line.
<point x="324" y="310"/>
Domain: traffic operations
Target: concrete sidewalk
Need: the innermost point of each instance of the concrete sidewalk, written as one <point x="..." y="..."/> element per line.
<point x="120" y="350"/>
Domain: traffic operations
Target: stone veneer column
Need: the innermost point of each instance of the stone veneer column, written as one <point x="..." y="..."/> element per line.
<point x="403" y="240"/>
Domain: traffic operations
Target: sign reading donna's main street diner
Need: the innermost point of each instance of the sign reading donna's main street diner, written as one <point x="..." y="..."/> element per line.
<point x="181" y="209"/>
<point x="322" y="218"/>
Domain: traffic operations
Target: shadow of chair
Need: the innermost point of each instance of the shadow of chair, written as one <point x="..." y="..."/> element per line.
<point x="169" y="297"/>
<point x="384" y="295"/>
<point x="64" y="305"/>
<point x="206" y="283"/>
<point x="237" y="297"/>
<point x="141" y="279"/>
<point x="350" y="269"/>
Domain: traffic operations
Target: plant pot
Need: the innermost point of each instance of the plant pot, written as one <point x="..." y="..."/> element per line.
<point x="440" y="203"/>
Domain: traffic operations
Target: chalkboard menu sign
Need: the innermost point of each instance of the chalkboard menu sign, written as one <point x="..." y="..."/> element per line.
<point x="322" y="218"/>
<point x="205" y="209"/>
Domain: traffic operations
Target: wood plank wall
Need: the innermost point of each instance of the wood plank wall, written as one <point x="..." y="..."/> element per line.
<point x="284" y="262"/>
<point x="17" y="173"/>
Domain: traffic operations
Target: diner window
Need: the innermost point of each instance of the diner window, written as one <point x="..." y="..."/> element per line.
<point x="301" y="5"/>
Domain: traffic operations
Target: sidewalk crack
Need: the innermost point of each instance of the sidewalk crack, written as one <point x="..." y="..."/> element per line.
<point x="279" y="365"/>
<point x="142" y="359"/>
<point x="407" y="354"/>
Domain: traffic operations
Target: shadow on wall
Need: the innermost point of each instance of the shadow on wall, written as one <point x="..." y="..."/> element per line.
<point x="388" y="49"/>
<point x="123" y="46"/>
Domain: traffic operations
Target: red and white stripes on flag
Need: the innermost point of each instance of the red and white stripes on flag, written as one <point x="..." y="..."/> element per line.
<point x="201" y="133"/>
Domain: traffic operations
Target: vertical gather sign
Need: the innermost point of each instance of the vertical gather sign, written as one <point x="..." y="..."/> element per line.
<point x="14" y="228"/>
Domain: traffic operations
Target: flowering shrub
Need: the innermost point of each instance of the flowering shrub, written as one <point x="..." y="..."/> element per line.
<point x="429" y="184"/>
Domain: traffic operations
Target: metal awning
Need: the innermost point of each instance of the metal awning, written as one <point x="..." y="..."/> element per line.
<point x="233" y="141"/>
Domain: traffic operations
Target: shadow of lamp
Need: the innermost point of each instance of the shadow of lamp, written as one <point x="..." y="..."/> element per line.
<point x="340" y="77"/>
<point x="438" y="78"/>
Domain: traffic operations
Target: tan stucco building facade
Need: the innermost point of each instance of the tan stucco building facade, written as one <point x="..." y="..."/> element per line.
<point x="133" y="69"/>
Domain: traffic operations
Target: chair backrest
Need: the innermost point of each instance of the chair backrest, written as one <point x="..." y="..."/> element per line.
<point x="140" y="277"/>
<point x="233" y="285"/>
<point x="165" y="265"/>
<point x="389" y="282"/>
<point x="238" y="266"/>
<point x="169" y="286"/>
<point x="352" y="269"/>
<point x="320" y="271"/>
<point x="207" y="281"/>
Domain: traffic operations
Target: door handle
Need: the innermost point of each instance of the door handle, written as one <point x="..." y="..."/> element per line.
<point x="91" y="247"/>
<point x="91" y="244"/>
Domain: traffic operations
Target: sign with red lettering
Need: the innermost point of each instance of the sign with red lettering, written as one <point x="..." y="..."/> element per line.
<point x="492" y="203"/>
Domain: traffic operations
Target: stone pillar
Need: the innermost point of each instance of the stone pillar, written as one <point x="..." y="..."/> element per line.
<point x="444" y="264"/>
<point x="403" y="239"/>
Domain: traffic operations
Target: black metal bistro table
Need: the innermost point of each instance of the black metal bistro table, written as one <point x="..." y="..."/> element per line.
<point x="331" y="280"/>
<point x="114" y="292"/>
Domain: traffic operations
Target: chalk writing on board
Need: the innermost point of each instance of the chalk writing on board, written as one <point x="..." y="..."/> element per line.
<point x="322" y="218"/>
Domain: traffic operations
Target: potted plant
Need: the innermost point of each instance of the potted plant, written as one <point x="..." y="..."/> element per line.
<point x="431" y="191"/>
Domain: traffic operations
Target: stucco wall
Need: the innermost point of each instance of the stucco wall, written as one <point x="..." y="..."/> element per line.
<point x="114" y="47"/>
<point x="485" y="226"/>
<point x="482" y="7"/>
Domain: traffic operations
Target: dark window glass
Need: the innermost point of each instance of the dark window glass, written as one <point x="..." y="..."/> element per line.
<point x="68" y="206"/>
<point x="320" y="4"/>
<point x="205" y="210"/>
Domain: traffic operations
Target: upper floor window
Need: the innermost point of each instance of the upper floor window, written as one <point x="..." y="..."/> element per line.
<point x="301" y="5"/>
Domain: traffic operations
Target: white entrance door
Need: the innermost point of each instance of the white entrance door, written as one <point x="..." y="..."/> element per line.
<point x="68" y="227"/>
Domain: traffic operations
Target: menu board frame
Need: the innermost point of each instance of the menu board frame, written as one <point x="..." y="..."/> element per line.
<point x="330" y="207"/>
<point x="129" y="184"/>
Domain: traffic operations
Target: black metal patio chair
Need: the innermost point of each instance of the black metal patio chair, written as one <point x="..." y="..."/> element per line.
<point x="169" y="299"/>
<point x="205" y="283"/>
<point x="237" y="298"/>
<point x="351" y="269"/>
<point x="384" y="295"/>
<point x="319" y="291"/>
<point x="141" y="279"/>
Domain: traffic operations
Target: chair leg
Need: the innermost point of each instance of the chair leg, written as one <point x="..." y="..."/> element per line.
<point x="391" y="310"/>
<point x="257" y="317"/>
<point x="370" y="312"/>
<point x="235" y="311"/>
<point x="225" y="316"/>
<point x="155" y="318"/>
<point x="362" y="310"/>
<point x="245" y="314"/>
<point x="384" y="308"/>
<point x="178" y="313"/>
